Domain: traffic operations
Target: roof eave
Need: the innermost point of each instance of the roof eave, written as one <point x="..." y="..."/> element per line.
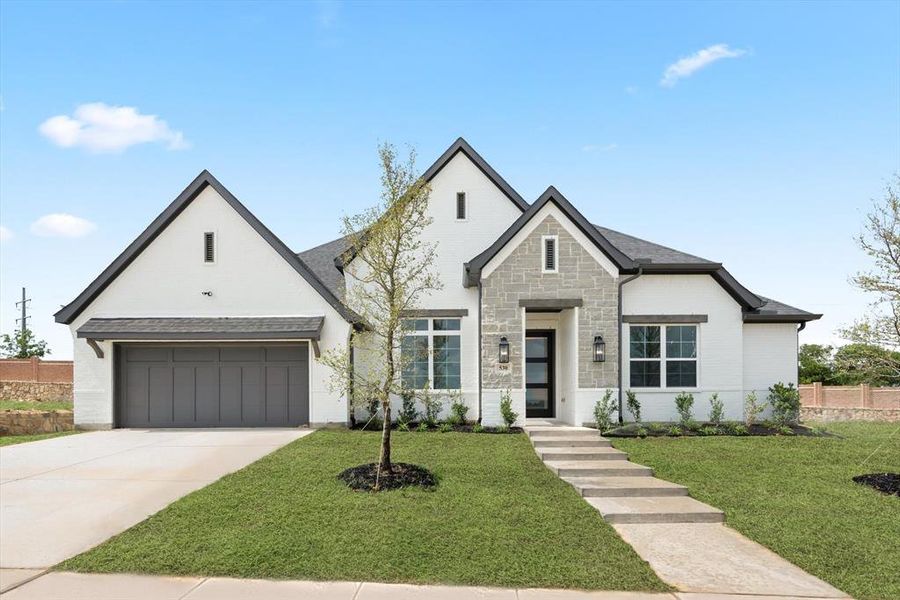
<point x="750" y="317"/>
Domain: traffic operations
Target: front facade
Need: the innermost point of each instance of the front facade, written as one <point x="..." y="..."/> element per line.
<point x="208" y="319"/>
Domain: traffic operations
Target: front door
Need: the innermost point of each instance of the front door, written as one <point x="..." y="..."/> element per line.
<point x="539" y="369"/>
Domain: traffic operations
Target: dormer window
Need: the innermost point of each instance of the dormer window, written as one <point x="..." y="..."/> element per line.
<point x="209" y="247"/>
<point x="461" y="206"/>
<point x="550" y="258"/>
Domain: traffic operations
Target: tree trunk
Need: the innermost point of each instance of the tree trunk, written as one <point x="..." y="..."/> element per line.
<point x="384" y="461"/>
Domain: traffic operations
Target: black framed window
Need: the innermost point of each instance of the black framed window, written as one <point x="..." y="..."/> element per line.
<point x="663" y="354"/>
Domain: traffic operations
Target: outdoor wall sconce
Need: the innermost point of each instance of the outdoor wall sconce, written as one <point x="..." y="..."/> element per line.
<point x="599" y="349"/>
<point x="504" y="350"/>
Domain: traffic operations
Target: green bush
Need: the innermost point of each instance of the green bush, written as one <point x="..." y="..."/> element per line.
<point x="503" y="428"/>
<point x="422" y="427"/>
<point x="603" y="411"/>
<point x="641" y="432"/>
<point x="402" y="426"/>
<point x="445" y="428"/>
<point x="458" y="409"/>
<point x="477" y="428"/>
<point x="656" y="428"/>
<point x="432" y="406"/>
<point x="634" y="405"/>
<point x="716" y="410"/>
<point x="752" y="409"/>
<point x="408" y="413"/>
<point x="709" y="430"/>
<point x="674" y="431"/>
<point x="506" y="411"/>
<point x="684" y="404"/>
<point x="785" y="401"/>
<point x="735" y="428"/>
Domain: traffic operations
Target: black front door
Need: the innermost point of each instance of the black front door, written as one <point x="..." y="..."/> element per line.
<point x="539" y="369"/>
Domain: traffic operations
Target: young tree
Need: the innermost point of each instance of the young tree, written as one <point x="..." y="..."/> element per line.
<point x="816" y="363"/>
<point x="881" y="241"/>
<point x="22" y="344"/>
<point x="390" y="271"/>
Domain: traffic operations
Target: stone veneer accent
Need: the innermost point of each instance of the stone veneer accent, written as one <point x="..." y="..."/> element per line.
<point x="36" y="391"/>
<point x="827" y="415"/>
<point x="520" y="277"/>
<point x="30" y="422"/>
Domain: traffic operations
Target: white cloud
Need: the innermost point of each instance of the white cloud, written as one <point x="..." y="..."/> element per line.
<point x="100" y="127"/>
<point x="62" y="225"/>
<point x="599" y="147"/>
<point x="687" y="66"/>
<point x="6" y="233"/>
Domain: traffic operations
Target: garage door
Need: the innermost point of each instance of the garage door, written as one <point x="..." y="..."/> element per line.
<point x="212" y="385"/>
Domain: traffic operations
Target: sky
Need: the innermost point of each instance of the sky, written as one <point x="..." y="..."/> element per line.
<point x="754" y="134"/>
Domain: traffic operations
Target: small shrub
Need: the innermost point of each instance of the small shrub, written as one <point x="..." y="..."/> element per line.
<point x="477" y="428"/>
<point x="684" y="404"/>
<point x="716" y="410"/>
<point x="458" y="409"/>
<point x="656" y="428"/>
<point x="445" y="428"/>
<point x="432" y="406"/>
<point x="408" y="413"/>
<point x="402" y="426"/>
<point x="506" y="411"/>
<point x="603" y="410"/>
<point x="503" y="428"/>
<point x="708" y="430"/>
<point x="785" y="401"/>
<point x="674" y="431"/>
<point x="735" y="428"/>
<point x="634" y="405"/>
<point x="784" y="430"/>
<point x="752" y="409"/>
<point x="422" y="427"/>
<point x="641" y="432"/>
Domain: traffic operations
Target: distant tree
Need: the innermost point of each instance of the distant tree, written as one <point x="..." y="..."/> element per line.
<point x="22" y="344"/>
<point x="816" y="363"/>
<point x="881" y="241"/>
<point x="865" y="363"/>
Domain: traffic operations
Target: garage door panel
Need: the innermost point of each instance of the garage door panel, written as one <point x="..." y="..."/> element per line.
<point x="286" y="353"/>
<point x="253" y="406"/>
<point x="207" y="394"/>
<point x="159" y="383"/>
<point x="195" y="354"/>
<point x="241" y="354"/>
<point x="183" y="396"/>
<point x="298" y="396"/>
<point x="230" y="394"/>
<point x="147" y="354"/>
<point x="136" y="386"/>
<point x="276" y="394"/>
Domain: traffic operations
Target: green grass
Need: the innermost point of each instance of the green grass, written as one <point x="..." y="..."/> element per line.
<point x="795" y="495"/>
<point x="9" y="440"/>
<point x="17" y="405"/>
<point x="497" y="517"/>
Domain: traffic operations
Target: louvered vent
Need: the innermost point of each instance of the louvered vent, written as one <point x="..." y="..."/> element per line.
<point x="550" y="254"/>
<point x="209" y="247"/>
<point x="461" y="206"/>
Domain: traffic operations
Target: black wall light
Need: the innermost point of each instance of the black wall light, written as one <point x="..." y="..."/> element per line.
<point x="599" y="349"/>
<point x="504" y="350"/>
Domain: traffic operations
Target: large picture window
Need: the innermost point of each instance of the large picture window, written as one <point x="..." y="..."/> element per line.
<point x="663" y="354"/>
<point x="431" y="353"/>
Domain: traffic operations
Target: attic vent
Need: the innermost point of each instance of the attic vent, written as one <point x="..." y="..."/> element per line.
<point x="460" y="206"/>
<point x="550" y="243"/>
<point x="209" y="247"/>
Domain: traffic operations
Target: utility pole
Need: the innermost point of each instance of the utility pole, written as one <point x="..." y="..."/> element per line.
<point x="24" y="304"/>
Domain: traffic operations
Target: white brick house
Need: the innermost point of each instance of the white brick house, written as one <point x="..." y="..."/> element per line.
<point x="208" y="319"/>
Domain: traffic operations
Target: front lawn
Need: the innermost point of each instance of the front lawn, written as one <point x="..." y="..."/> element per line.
<point x="497" y="517"/>
<point x="19" y="405"/>
<point x="9" y="440"/>
<point x="796" y="496"/>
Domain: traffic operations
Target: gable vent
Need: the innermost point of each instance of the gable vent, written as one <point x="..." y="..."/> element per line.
<point x="549" y="254"/>
<point x="461" y="206"/>
<point x="209" y="247"/>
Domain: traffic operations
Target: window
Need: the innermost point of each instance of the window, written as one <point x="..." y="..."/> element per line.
<point x="663" y="354"/>
<point x="209" y="247"/>
<point x="460" y="206"/>
<point x="550" y="251"/>
<point x="431" y="352"/>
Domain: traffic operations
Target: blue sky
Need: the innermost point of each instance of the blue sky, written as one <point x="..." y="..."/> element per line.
<point x="761" y="152"/>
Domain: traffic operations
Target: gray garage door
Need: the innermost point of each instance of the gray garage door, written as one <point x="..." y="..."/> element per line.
<point x="212" y="385"/>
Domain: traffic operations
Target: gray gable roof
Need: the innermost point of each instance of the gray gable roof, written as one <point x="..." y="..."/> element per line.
<point x="205" y="179"/>
<point x="773" y="311"/>
<point x="321" y="260"/>
<point x="202" y="328"/>
<point x="644" y="251"/>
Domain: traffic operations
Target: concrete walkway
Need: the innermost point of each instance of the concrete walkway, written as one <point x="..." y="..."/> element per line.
<point x="685" y="541"/>
<point x="62" y="496"/>
<point x="77" y="586"/>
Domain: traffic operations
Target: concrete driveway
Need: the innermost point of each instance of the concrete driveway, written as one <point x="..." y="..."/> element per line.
<point x="61" y="496"/>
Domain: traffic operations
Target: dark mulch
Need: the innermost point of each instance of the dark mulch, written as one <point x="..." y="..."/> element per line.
<point x="631" y="430"/>
<point x="467" y="428"/>
<point x="887" y="483"/>
<point x="362" y="477"/>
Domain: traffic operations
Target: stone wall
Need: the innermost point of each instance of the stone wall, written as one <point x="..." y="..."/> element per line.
<point x="29" y="422"/>
<point x="825" y="414"/>
<point x="36" y="391"/>
<point x="520" y="277"/>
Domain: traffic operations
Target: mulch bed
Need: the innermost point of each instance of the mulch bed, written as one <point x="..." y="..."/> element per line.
<point x="886" y="483"/>
<point x="759" y="429"/>
<point x="468" y="428"/>
<point x="362" y="477"/>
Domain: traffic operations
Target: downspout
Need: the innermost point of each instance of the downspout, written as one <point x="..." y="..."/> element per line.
<point x="619" y="333"/>
<point x="480" y="351"/>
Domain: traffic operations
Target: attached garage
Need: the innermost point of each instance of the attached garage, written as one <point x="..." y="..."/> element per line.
<point x="209" y="372"/>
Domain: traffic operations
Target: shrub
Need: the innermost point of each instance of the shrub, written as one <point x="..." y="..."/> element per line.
<point x="674" y="431"/>
<point x="752" y="409"/>
<point x="684" y="403"/>
<point x="784" y="430"/>
<point x="641" y="432"/>
<point x="477" y="428"/>
<point x="503" y="428"/>
<point x="603" y="410"/>
<point x="634" y="405"/>
<point x="402" y="426"/>
<point x="735" y="428"/>
<point x="656" y="428"/>
<point x="785" y="401"/>
<point x="445" y="428"/>
<point x="432" y="406"/>
<point x="716" y="410"/>
<point x="506" y="411"/>
<point x="709" y="430"/>
<point x="458" y="409"/>
<point x="422" y="427"/>
<point x="408" y="413"/>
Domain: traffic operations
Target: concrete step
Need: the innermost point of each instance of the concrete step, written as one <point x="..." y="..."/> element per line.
<point x="610" y="487"/>
<point x="581" y="454"/>
<point x="569" y="442"/>
<point x="562" y="431"/>
<point x="672" y="509"/>
<point x="598" y="468"/>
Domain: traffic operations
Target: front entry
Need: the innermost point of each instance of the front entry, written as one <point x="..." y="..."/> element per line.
<point x="539" y="370"/>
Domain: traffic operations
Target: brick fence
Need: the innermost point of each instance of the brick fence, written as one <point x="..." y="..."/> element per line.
<point x="36" y="370"/>
<point x="849" y="403"/>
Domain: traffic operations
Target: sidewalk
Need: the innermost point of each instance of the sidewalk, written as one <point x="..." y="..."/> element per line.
<point x="77" y="586"/>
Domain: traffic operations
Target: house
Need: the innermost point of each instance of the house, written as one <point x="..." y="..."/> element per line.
<point x="209" y="319"/>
